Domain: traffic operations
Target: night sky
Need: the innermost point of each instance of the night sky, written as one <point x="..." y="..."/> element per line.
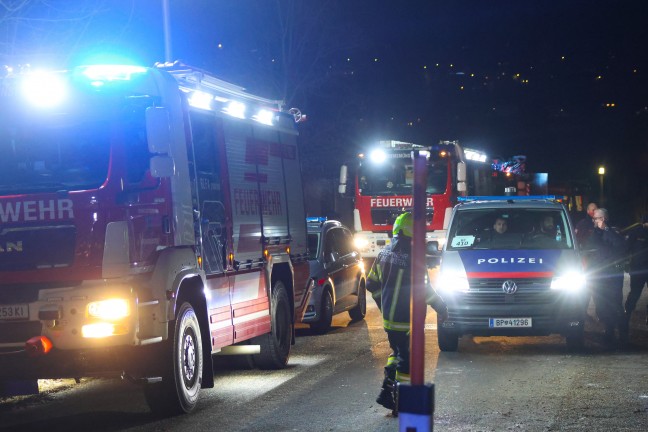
<point x="563" y="82"/>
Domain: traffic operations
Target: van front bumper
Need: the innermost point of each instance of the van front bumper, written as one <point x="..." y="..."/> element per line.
<point x="550" y="312"/>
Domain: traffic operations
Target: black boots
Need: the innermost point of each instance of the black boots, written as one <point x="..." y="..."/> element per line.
<point x="387" y="396"/>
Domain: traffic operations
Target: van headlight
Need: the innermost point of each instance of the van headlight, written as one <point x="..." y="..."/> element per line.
<point x="572" y="281"/>
<point x="452" y="282"/>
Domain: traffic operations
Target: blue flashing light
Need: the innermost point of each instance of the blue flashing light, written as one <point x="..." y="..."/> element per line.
<point x="102" y="73"/>
<point x="318" y="219"/>
<point x="507" y="198"/>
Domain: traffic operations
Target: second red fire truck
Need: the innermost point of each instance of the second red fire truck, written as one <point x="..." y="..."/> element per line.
<point x="150" y="218"/>
<point x="382" y="188"/>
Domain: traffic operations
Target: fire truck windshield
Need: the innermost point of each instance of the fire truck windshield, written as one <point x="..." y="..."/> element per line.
<point x="52" y="153"/>
<point x="396" y="177"/>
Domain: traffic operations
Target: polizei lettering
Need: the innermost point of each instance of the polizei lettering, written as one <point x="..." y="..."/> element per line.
<point x="396" y="202"/>
<point x="511" y="260"/>
<point x="42" y="210"/>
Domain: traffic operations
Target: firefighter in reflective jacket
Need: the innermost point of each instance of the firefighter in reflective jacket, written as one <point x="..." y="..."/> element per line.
<point x="390" y="285"/>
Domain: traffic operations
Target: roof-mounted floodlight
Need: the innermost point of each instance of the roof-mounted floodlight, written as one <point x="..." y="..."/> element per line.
<point x="44" y="90"/>
<point x="475" y="155"/>
<point x="201" y="100"/>
<point x="377" y="156"/>
<point x="264" y="116"/>
<point x="235" y="109"/>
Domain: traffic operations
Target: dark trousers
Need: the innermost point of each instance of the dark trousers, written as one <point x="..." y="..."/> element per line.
<point x="607" y="291"/>
<point x="399" y="343"/>
<point x="637" y="281"/>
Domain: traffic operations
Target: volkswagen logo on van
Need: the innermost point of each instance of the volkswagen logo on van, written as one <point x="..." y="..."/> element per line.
<point x="509" y="287"/>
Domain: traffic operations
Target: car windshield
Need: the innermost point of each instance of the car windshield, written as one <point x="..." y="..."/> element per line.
<point x="53" y="154"/>
<point x="396" y="177"/>
<point x="509" y="229"/>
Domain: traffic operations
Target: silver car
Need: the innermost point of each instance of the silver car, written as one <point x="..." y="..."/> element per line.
<point x="337" y="270"/>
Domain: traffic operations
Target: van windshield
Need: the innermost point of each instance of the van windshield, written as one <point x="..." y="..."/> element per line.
<point x="509" y="229"/>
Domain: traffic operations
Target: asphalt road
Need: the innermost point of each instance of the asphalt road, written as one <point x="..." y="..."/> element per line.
<point x="491" y="384"/>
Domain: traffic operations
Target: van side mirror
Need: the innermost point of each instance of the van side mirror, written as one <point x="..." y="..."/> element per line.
<point x="158" y="130"/>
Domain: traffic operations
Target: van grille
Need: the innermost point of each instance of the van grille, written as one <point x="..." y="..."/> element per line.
<point x="531" y="291"/>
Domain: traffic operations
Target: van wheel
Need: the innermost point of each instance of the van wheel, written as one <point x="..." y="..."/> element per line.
<point x="182" y="373"/>
<point x="448" y="341"/>
<point x="323" y="324"/>
<point x="275" y="346"/>
<point x="358" y="313"/>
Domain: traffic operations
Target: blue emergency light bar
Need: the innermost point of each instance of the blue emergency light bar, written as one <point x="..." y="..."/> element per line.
<point x="507" y="198"/>
<point x="318" y="219"/>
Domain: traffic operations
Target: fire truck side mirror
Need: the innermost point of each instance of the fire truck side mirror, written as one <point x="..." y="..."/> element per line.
<point x="158" y="130"/>
<point x="343" y="180"/>
<point x="162" y="166"/>
<point x="461" y="171"/>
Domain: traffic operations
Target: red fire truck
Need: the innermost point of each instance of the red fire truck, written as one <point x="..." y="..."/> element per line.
<point x="150" y="218"/>
<point x="383" y="188"/>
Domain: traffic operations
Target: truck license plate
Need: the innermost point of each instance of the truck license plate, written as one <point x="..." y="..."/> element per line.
<point x="14" y="312"/>
<point x="509" y="322"/>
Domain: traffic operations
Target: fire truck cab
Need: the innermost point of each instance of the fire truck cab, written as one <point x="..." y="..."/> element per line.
<point x="382" y="188"/>
<point x="151" y="218"/>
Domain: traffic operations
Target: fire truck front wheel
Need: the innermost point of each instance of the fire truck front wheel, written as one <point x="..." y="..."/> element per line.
<point x="275" y="346"/>
<point x="182" y="376"/>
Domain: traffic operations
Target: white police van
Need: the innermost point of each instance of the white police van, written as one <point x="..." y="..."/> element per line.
<point x="511" y="267"/>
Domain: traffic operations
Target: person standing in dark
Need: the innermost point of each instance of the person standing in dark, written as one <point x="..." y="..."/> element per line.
<point x="389" y="282"/>
<point x="638" y="250"/>
<point x="585" y="226"/>
<point x="605" y="268"/>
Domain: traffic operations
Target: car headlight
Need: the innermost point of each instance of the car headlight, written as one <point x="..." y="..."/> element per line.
<point x="572" y="281"/>
<point x="110" y="310"/>
<point x="360" y="242"/>
<point x="452" y="282"/>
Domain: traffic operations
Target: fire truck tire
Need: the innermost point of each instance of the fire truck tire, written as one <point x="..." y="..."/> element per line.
<point x="182" y="377"/>
<point x="358" y="313"/>
<point x="448" y="341"/>
<point x="323" y="324"/>
<point x="275" y="346"/>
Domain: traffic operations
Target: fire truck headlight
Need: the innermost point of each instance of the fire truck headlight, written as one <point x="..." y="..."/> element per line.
<point x="102" y="329"/>
<point x="109" y="310"/>
<point x="452" y="282"/>
<point x="360" y="242"/>
<point x="572" y="281"/>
